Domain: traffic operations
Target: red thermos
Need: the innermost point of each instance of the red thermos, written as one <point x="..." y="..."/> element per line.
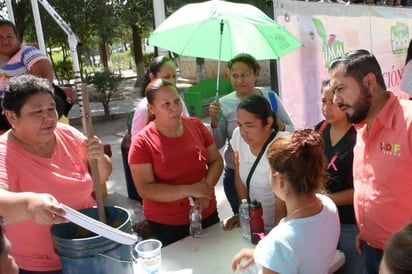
<point x="257" y="228"/>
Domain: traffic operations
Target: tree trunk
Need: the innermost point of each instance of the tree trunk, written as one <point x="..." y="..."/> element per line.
<point x="138" y="53"/>
<point x="104" y="54"/>
<point x="106" y="108"/>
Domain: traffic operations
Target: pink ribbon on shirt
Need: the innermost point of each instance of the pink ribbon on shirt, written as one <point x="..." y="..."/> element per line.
<point x="199" y="153"/>
<point x="332" y="162"/>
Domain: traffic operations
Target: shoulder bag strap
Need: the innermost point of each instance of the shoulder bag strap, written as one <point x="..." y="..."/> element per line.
<point x="273" y="101"/>
<point x="252" y="169"/>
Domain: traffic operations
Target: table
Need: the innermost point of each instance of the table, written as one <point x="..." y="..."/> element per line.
<point x="211" y="253"/>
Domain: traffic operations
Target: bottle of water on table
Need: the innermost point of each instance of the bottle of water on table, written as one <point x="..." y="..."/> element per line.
<point x="244" y="219"/>
<point x="195" y="217"/>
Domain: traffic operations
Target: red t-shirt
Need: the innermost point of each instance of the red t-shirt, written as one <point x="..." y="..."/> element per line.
<point x="180" y="160"/>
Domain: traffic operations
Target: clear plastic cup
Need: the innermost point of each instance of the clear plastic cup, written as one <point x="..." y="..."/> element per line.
<point x="150" y="256"/>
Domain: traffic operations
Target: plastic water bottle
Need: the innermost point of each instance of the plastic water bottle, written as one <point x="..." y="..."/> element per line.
<point x="244" y="219"/>
<point x="252" y="269"/>
<point x="195" y="218"/>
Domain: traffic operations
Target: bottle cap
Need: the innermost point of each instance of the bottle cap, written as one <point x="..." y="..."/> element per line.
<point x="191" y="201"/>
<point x="255" y="204"/>
<point x="244" y="201"/>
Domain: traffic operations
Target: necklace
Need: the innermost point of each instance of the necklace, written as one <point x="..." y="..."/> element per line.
<point x="300" y="209"/>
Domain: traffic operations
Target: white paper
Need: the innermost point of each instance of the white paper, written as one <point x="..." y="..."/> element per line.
<point x="98" y="227"/>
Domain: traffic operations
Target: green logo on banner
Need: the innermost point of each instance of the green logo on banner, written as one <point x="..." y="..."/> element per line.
<point x="331" y="47"/>
<point x="400" y="38"/>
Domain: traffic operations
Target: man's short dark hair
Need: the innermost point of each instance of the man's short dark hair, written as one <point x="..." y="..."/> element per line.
<point x="357" y="64"/>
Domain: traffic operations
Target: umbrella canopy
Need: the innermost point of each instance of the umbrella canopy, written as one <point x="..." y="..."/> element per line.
<point x="219" y="30"/>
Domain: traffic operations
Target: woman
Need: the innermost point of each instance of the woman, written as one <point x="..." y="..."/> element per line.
<point x="397" y="256"/>
<point x="161" y="67"/>
<point x="244" y="70"/>
<point x="256" y="131"/>
<point x="17" y="59"/>
<point x="171" y="159"/>
<point x="305" y="240"/>
<point x="339" y="138"/>
<point x="38" y="155"/>
<point x="7" y="263"/>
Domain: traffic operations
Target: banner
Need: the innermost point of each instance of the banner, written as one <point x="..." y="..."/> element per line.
<point x="327" y="30"/>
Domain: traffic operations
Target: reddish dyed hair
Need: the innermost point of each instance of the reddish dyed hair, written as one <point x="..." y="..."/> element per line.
<point x="299" y="157"/>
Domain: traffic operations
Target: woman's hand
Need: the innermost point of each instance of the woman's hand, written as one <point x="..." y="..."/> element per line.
<point x="45" y="209"/>
<point x="214" y="110"/>
<point x="95" y="148"/>
<point x="201" y="203"/>
<point x="231" y="222"/>
<point x="202" y="190"/>
<point x="244" y="254"/>
<point x="358" y="242"/>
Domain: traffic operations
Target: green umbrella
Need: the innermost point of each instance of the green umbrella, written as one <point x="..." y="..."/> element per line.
<point x="219" y="30"/>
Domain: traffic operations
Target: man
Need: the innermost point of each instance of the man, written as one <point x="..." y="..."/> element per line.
<point x="398" y="252"/>
<point x="7" y="263"/>
<point x="17" y="59"/>
<point x="382" y="154"/>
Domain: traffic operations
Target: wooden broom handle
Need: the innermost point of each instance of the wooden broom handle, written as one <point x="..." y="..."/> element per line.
<point x="88" y="128"/>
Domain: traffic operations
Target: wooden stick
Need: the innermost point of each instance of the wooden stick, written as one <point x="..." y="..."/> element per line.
<point x="88" y="128"/>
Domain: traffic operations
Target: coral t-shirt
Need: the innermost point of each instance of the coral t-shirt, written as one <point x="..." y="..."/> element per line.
<point x="64" y="175"/>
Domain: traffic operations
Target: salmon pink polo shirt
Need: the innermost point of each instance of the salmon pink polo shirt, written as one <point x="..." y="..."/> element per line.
<point x="382" y="173"/>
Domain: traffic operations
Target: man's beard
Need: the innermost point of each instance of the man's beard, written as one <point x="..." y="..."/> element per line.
<point x="360" y="107"/>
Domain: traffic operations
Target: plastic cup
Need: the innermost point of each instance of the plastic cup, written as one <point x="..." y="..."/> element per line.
<point x="150" y="256"/>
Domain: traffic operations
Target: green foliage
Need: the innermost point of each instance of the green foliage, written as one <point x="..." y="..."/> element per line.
<point x="121" y="60"/>
<point x="64" y="70"/>
<point x="147" y="59"/>
<point x="106" y="84"/>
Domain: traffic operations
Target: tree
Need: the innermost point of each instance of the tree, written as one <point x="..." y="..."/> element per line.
<point x="106" y="84"/>
<point x="138" y="16"/>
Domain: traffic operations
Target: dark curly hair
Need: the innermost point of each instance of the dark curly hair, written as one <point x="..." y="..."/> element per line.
<point x="246" y="58"/>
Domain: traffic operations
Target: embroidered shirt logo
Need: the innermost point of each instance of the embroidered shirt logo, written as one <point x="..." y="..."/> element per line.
<point x="391" y="149"/>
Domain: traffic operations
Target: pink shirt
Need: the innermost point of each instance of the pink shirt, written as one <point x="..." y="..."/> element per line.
<point x="65" y="176"/>
<point x="382" y="173"/>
